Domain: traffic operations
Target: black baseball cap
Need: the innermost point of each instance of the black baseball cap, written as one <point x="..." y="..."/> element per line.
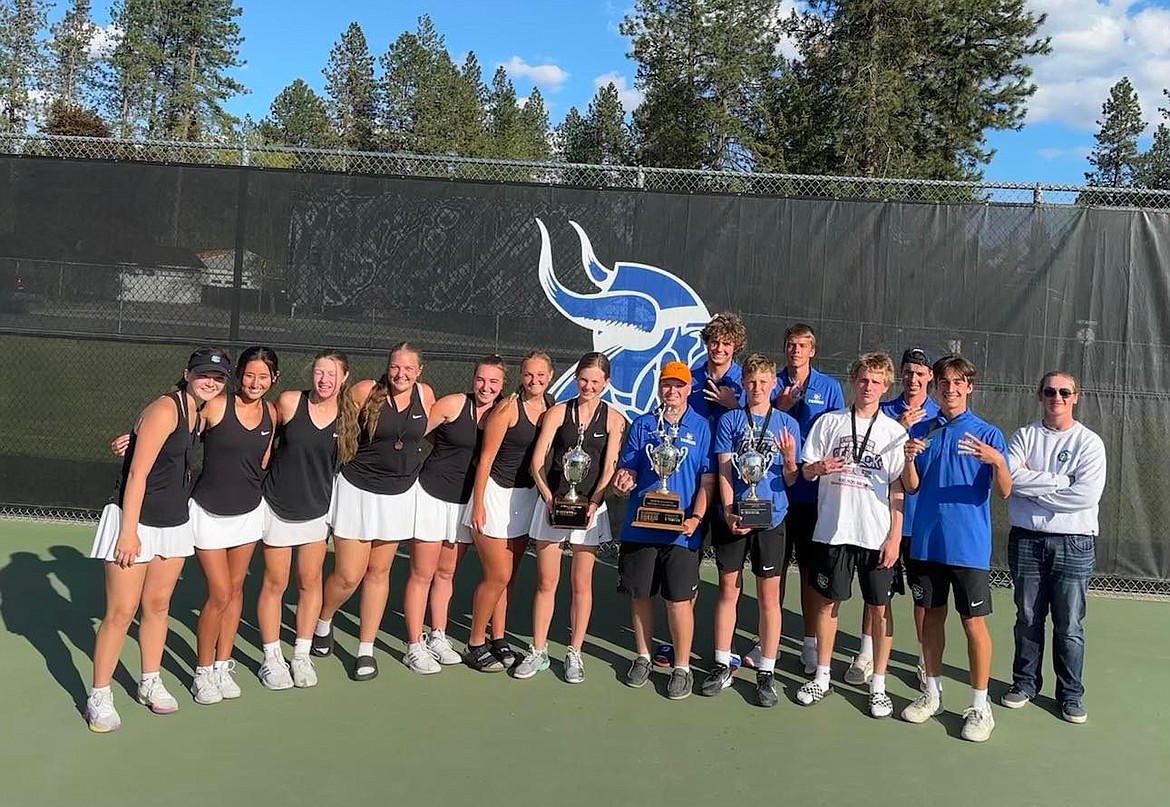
<point x="916" y="355"/>
<point x="209" y="360"/>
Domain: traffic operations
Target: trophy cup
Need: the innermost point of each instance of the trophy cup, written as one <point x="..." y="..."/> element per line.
<point x="660" y="508"/>
<point x="572" y="510"/>
<point x="752" y="465"/>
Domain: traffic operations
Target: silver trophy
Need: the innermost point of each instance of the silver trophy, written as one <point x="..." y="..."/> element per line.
<point x="666" y="456"/>
<point x="575" y="465"/>
<point x="752" y="465"/>
<point x="661" y="509"/>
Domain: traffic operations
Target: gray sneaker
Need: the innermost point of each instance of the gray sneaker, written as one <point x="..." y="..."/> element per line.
<point x="420" y="660"/>
<point x="922" y="708"/>
<point x="574" y="667"/>
<point x="275" y="673"/>
<point x="441" y="649"/>
<point x="534" y="661"/>
<point x="639" y="673"/>
<point x="1015" y="698"/>
<point x="680" y="685"/>
<point x="859" y="672"/>
<point x="1073" y="711"/>
<point x="303" y="672"/>
<point x="977" y="724"/>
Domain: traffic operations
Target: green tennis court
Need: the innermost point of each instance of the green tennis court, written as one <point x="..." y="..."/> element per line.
<point x="467" y="738"/>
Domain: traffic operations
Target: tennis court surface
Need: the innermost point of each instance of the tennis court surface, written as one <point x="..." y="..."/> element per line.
<point x="465" y="738"/>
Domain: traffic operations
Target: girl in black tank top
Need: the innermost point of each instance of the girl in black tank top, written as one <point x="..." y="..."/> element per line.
<point x="317" y="429"/>
<point x="374" y="498"/>
<point x="588" y="421"/>
<point x="447" y="478"/>
<point x="152" y="493"/>
<point x="237" y="439"/>
<point x="505" y="459"/>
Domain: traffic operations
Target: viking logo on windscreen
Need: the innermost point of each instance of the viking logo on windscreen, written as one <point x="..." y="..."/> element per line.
<point x="641" y="317"/>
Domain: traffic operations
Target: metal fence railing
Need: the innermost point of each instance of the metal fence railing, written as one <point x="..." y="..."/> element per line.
<point x="672" y="180"/>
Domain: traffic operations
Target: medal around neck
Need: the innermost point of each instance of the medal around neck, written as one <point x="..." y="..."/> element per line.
<point x="572" y="510"/>
<point x="660" y="508"/>
<point x="752" y="465"/>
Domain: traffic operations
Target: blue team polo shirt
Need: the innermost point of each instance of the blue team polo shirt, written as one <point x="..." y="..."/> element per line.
<point x="952" y="520"/>
<point x="822" y="394"/>
<point x="711" y="412"/>
<point x="695" y="436"/>
<point x="728" y="439"/>
<point x="894" y="409"/>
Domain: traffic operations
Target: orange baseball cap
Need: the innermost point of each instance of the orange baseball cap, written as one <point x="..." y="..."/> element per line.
<point x="677" y="371"/>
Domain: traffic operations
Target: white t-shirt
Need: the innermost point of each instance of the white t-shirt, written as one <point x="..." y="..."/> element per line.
<point x="853" y="506"/>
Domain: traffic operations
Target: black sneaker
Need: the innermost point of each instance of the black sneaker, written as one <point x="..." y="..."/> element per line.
<point x="322" y="645"/>
<point x="680" y="685"/>
<point x="766" y="689"/>
<point x="717" y="680"/>
<point x="639" y="673"/>
<point x="480" y="659"/>
<point x="1015" y="697"/>
<point x="503" y="653"/>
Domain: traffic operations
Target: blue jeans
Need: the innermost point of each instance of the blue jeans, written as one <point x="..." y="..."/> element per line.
<point x="1050" y="574"/>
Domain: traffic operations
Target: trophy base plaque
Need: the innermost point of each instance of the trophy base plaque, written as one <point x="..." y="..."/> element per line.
<point x="569" y="515"/>
<point x="755" y="514"/>
<point x="660" y="511"/>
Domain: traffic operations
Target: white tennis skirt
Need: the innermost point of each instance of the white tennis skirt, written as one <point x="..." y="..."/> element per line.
<point x="225" y="532"/>
<point x="437" y="520"/>
<point x="508" y="511"/>
<point x="162" y="542"/>
<point x="363" y="516"/>
<point x="598" y="532"/>
<point x="279" y="532"/>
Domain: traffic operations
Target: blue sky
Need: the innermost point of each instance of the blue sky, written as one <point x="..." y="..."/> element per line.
<point x="568" y="46"/>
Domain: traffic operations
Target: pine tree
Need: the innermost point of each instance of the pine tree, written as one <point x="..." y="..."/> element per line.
<point x="534" y="134"/>
<point x="601" y="136"/>
<point x="131" y="77"/>
<point x="298" y="117"/>
<point x="573" y="138"/>
<point x="21" y="60"/>
<point x="71" y="118"/>
<point x="71" y="72"/>
<point x="351" y="91"/>
<point x="1115" y="157"/>
<point x="504" y="126"/>
<point x="1153" y="171"/>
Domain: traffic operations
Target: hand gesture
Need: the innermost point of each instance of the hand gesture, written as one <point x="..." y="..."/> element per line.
<point x="623" y="480"/>
<point x="789" y="397"/>
<point x="127" y="549"/>
<point x="119" y="444"/>
<point x="830" y="465"/>
<point x="972" y="446"/>
<point x="720" y="394"/>
<point x="913" y="448"/>
<point x="911" y="417"/>
<point x="787" y="445"/>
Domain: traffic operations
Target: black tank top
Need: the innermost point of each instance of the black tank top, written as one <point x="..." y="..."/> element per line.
<point x="300" y="476"/>
<point x="564" y="438"/>
<point x="449" y="472"/>
<point x="513" y="465"/>
<point x="229" y="484"/>
<point x="165" y="502"/>
<point x="379" y="467"/>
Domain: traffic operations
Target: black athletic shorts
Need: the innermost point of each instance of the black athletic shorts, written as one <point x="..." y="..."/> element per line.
<point x="648" y="569"/>
<point x="834" y="567"/>
<point x="799" y="525"/>
<point x="931" y="582"/>
<point x="767" y="549"/>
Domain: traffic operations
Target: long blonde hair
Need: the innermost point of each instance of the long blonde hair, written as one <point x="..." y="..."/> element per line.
<point x="372" y="409"/>
<point x="347" y="410"/>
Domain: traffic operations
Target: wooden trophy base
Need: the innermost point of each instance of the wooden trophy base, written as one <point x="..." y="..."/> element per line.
<point x="569" y="515"/>
<point x="755" y="514"/>
<point x="660" y="511"/>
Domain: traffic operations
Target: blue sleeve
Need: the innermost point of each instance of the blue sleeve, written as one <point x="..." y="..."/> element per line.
<point x="724" y="433"/>
<point x="632" y="448"/>
<point x="996" y="441"/>
<point x="836" y="397"/>
<point x="794" y="428"/>
<point x="708" y="464"/>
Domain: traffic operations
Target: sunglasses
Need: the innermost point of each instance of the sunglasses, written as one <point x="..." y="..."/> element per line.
<point x="1065" y="392"/>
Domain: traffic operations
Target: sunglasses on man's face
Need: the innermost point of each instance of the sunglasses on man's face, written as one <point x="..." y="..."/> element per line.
<point x="1065" y="392"/>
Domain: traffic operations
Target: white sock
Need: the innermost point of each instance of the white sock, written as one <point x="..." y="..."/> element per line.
<point x="644" y="655"/>
<point x="877" y="684"/>
<point x="683" y="667"/>
<point x="149" y="676"/>
<point x="437" y="634"/>
<point x="723" y="657"/>
<point x="100" y="690"/>
<point x="301" y="648"/>
<point x="202" y="671"/>
<point x="219" y="666"/>
<point x="822" y="676"/>
<point x="416" y="646"/>
<point x="933" y="686"/>
<point x="767" y="665"/>
<point x="272" y="650"/>
<point x="866" y="647"/>
<point x="365" y="648"/>
<point x="323" y="626"/>
<point x="979" y="698"/>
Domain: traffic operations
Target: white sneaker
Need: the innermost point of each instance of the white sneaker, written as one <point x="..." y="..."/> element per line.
<point x="304" y="674"/>
<point x="420" y="660"/>
<point x="154" y="696"/>
<point x="274" y="673"/>
<point x="924" y="707"/>
<point x="227" y="685"/>
<point x="205" y="688"/>
<point x="859" y="672"/>
<point x="880" y="705"/>
<point x="977" y="724"/>
<point x="811" y="693"/>
<point x="808" y="656"/>
<point x="574" y="667"/>
<point x="441" y="649"/>
<point x="754" y="657"/>
<point x="100" y="713"/>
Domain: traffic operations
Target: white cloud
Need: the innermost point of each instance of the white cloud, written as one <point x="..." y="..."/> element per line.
<point x="103" y="41"/>
<point x="1072" y="153"/>
<point x="1094" y="44"/>
<point x="630" y="97"/>
<point x="549" y="76"/>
